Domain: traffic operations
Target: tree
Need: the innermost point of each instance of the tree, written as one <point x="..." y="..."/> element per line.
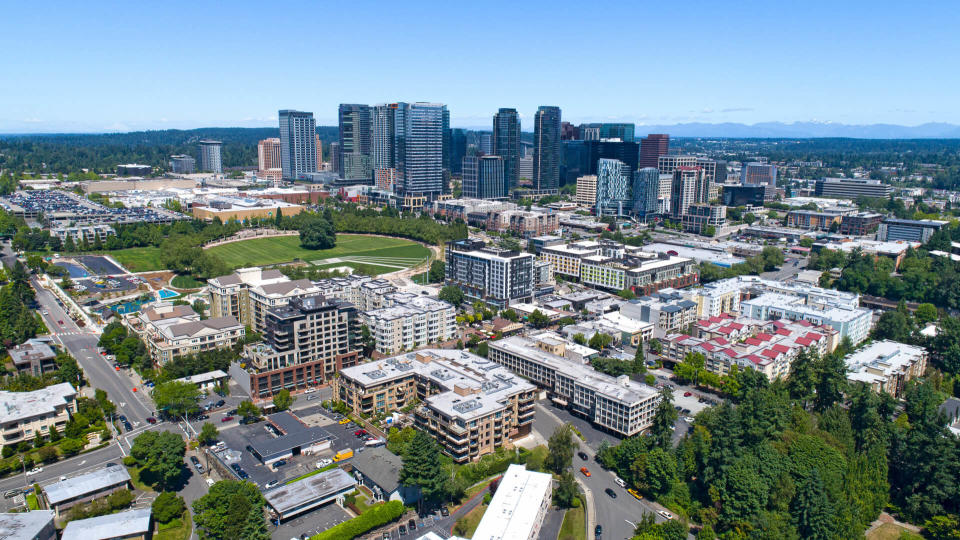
<point x="663" y="419"/>
<point x="167" y="506"/>
<point x="71" y="446"/>
<point x="282" y="400"/>
<point x="176" y="398"/>
<point x="600" y="341"/>
<point x="892" y="325"/>
<point x="565" y="490"/>
<point x="831" y="380"/>
<point x="925" y="313"/>
<point x="655" y="346"/>
<point x="560" y="449"/>
<point x="802" y="378"/>
<point x="811" y="509"/>
<point x="451" y="294"/>
<point x="660" y="471"/>
<point x="247" y="410"/>
<point x="626" y="294"/>
<point x="942" y="528"/>
<point x="710" y="231"/>
<point x="579" y="339"/>
<point x="208" y="433"/>
<point x="538" y="320"/>
<point x="161" y="456"/>
<point x="223" y="513"/>
<point x="438" y="271"/>
<point x="317" y="233"/>
<point x="423" y="467"/>
<point x="48" y="454"/>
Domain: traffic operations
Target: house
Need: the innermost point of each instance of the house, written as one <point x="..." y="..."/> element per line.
<point x="379" y="469"/>
<point x="34" y="357"/>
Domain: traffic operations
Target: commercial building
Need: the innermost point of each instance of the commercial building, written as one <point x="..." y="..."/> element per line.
<point x="230" y="294"/>
<point x="226" y="209"/>
<point x="182" y="164"/>
<point x="505" y="142"/>
<point x="293" y="499"/>
<point x="851" y="188"/>
<point x="206" y="381"/>
<point x="586" y="190"/>
<point x="669" y="163"/>
<point x="617" y="404"/>
<point x="518" y="507"/>
<point x="128" y="525"/>
<point x="705" y="253"/>
<point x="298" y="143"/>
<point x="84" y="488"/>
<point x="817" y="220"/>
<point x="484" y="177"/>
<point x="495" y="276"/>
<point x="546" y="149"/>
<point x="758" y="174"/>
<point x="652" y="147"/>
<point x="291" y="436"/>
<point x="646" y="191"/>
<point x="911" y="230"/>
<point x="469" y="404"/>
<point x="170" y="331"/>
<point x="24" y="415"/>
<point x="355" y="141"/>
<point x="896" y="251"/>
<point x="852" y="322"/>
<point x="304" y="344"/>
<point x="886" y="366"/>
<point x="700" y="217"/>
<point x="606" y="131"/>
<point x="210" y="156"/>
<point x="269" y="159"/>
<point x="33" y="357"/>
<point x="625" y="152"/>
<point x="860" y="223"/>
<point x="612" y="185"/>
<point x="32" y="525"/>
<point x="134" y="169"/>
<point x="410" y="322"/>
<point x="745" y="195"/>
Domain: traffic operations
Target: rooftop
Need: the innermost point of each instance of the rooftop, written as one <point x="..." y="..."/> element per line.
<point x="15" y="406"/>
<point x="880" y="359"/>
<point x="120" y="525"/>
<point x="313" y="488"/>
<point x="294" y="433"/>
<point x="90" y="482"/>
<point x="24" y="525"/>
<point x="381" y="466"/>
<point x="514" y="509"/>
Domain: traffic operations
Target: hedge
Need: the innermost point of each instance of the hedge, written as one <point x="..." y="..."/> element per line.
<point x="376" y="516"/>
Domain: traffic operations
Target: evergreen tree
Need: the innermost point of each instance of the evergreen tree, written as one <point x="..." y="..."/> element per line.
<point x="831" y="380"/>
<point x="423" y="467"/>
<point x="811" y="510"/>
<point x="255" y="527"/>
<point x="663" y="419"/>
<point x="560" y="449"/>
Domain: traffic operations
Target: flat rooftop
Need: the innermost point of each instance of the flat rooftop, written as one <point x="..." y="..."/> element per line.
<point x="91" y="482"/>
<point x="15" y="406"/>
<point x="312" y="489"/>
<point x="295" y="433"/>
<point x="119" y="525"/>
<point x="514" y="509"/>
<point x="24" y="525"/>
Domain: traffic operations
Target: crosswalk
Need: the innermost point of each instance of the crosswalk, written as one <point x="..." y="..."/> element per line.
<point x="70" y="333"/>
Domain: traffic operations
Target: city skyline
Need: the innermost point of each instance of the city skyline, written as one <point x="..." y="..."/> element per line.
<point x="828" y="63"/>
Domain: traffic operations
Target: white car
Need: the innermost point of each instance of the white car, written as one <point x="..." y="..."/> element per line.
<point x="619" y="481"/>
<point x="664" y="514"/>
<point x="35" y="470"/>
<point x="324" y="462"/>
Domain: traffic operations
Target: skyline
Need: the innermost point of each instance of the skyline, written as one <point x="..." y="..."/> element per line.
<point x="111" y="67"/>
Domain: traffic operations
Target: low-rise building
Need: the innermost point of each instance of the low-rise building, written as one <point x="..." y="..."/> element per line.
<point x="84" y="488"/>
<point x="469" y="404"/>
<point x="79" y="233"/>
<point x="668" y="311"/>
<point x="886" y="366"/>
<point x="817" y="220"/>
<point x="32" y="525"/>
<point x="849" y="322"/>
<point x="293" y="499"/>
<point x="379" y="470"/>
<point x="517" y="509"/>
<point x="24" y="415"/>
<point x="243" y="209"/>
<point x="206" y="381"/>
<point x="34" y="357"/>
<point x="860" y="223"/>
<point x="170" y="331"/>
<point x="129" y="525"/>
<point x="911" y="230"/>
<point x="412" y="321"/>
<point x="523" y="223"/>
<point x="701" y="216"/>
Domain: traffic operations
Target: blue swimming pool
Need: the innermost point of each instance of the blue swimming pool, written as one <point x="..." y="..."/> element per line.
<point x="166" y="293"/>
<point x="127" y="307"/>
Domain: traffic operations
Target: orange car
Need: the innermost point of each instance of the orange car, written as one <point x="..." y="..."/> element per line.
<point x="584" y="471"/>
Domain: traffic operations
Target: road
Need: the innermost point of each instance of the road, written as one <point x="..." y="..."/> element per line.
<point x="788" y="270"/>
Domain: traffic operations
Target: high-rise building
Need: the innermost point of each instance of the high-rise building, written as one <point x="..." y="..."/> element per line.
<point x="335" y="156"/>
<point x="625" y="132"/>
<point x="423" y="159"/>
<point x="494" y="276"/>
<point x="182" y="164"/>
<point x="669" y="163"/>
<point x="546" y="149"/>
<point x="269" y="159"/>
<point x="447" y="144"/>
<point x="626" y="152"/>
<point x="652" y="147"/>
<point x="387" y="143"/>
<point x="574" y="161"/>
<point x="758" y="174"/>
<point x="646" y="190"/>
<point x="686" y="181"/>
<point x="483" y="177"/>
<point x="298" y="143"/>
<point x="569" y="132"/>
<point x="485" y="143"/>
<point x="458" y="149"/>
<point x="355" y="139"/>
<point x="586" y="190"/>
<point x="319" y="151"/>
<point x="210" y="156"/>
<point x="612" y="184"/>
<point x="506" y="144"/>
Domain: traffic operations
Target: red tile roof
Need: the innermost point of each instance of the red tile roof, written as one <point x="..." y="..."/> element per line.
<point x="720" y="340"/>
<point x="781" y="348"/>
<point x="753" y="341"/>
<point x="803" y="341"/>
<point x="764" y="336"/>
<point x="802" y="322"/>
<point x="783" y="332"/>
<point x="814" y="336"/>
<point x="770" y="353"/>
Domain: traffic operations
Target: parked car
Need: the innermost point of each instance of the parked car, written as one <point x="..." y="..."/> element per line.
<point x="220" y="403"/>
<point x="585" y="471"/>
<point x="611" y="493"/>
<point x="583" y="456"/>
<point x="151" y="420"/>
<point x="324" y="462"/>
<point x="270" y="484"/>
<point x="687" y="394"/>
<point x="664" y="514"/>
<point x="278" y="464"/>
<point x="403" y="531"/>
<point x="412" y="525"/>
<point x="444" y="511"/>
<point x="35" y="470"/>
<point x="226" y="419"/>
<point x="10" y="494"/>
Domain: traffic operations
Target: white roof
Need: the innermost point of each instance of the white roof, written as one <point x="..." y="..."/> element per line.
<point x="514" y="511"/>
<point x="121" y="525"/>
<point x="25" y="525"/>
<point x="201" y="378"/>
<point x="880" y="359"/>
<point x="15" y="406"/>
<point x="86" y="483"/>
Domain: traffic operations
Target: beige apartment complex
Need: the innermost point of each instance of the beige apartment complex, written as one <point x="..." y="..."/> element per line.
<point x="23" y="415"/>
<point x="170" y="331"/>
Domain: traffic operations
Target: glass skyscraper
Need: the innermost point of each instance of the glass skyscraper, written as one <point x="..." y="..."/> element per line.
<point x="612" y="183"/>
<point x="355" y="139"/>
<point x="298" y="143"/>
<point x="646" y="188"/>
<point x="388" y="140"/>
<point x="483" y="177"/>
<point x="546" y="149"/>
<point x="423" y="159"/>
<point x="506" y="144"/>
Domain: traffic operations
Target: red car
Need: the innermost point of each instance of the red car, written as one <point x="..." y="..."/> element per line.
<point x="687" y="394"/>
<point x="226" y="419"/>
<point x="585" y="471"/>
<point x="151" y="420"/>
<point x="360" y="432"/>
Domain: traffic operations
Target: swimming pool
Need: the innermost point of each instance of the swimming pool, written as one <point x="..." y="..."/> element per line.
<point x="166" y="293"/>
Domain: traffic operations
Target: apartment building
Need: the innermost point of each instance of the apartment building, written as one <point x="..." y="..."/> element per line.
<point x="718" y="297"/>
<point x="586" y="194"/>
<point x="79" y="233"/>
<point x="851" y="322"/>
<point x="886" y="366"/>
<point x="266" y="297"/>
<point x="230" y="294"/>
<point x="469" y="404"/>
<point x="305" y="342"/>
<point x="24" y="415"/>
<point x="364" y="292"/>
<point x="817" y="220"/>
<point x="860" y="223"/>
<point x="668" y="311"/>
<point x="618" y="404"/>
<point x="411" y="321"/>
<point x="462" y="208"/>
<point x="492" y="275"/>
<point x="565" y="259"/>
<point x="524" y="224"/>
<point x="701" y="216"/>
<point x="34" y="357"/>
<point x="641" y="273"/>
<point x="170" y="331"/>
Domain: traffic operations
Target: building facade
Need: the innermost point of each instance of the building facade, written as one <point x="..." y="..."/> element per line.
<point x="269" y="159"/>
<point x="423" y="155"/>
<point x="612" y="185"/>
<point x="409" y="322"/>
<point x="758" y="174"/>
<point x="546" y="149"/>
<point x="483" y="177"/>
<point x="505" y="142"/>
<point x="494" y="276"/>
<point x="210" y="156"/>
<point x="298" y="143"/>
<point x="851" y="188"/>
<point x="182" y="164"/>
<point x="170" y="331"/>
<point x="587" y="190"/>
<point x="911" y="230"/>
<point x="355" y="137"/>
<point x="886" y="366"/>
<point x="25" y="415"/>
<point x="646" y="191"/>
<point x="652" y="147"/>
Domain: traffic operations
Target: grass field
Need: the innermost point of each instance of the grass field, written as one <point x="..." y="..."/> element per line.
<point x="186" y="282"/>
<point x="891" y="531"/>
<point x="389" y="253"/>
<point x="573" y="527"/>
<point x="467" y="525"/>
<point x="142" y="259"/>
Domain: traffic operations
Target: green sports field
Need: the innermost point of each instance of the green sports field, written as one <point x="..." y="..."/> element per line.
<point x="142" y="259"/>
<point x="388" y="254"/>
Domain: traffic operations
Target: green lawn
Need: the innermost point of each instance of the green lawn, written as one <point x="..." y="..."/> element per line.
<point x="891" y="531"/>
<point x="574" y="527"/>
<point x="178" y="529"/>
<point x="264" y="251"/>
<point x="467" y="525"/>
<point x="186" y="282"/>
<point x="32" y="501"/>
<point x="142" y="259"/>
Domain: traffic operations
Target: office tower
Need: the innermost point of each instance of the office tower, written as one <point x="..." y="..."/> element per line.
<point x="569" y="132"/>
<point x="687" y="181"/>
<point x="612" y="184"/>
<point x="268" y="154"/>
<point x="646" y="191"/>
<point x="335" y="156"/>
<point x="483" y="177"/>
<point x="210" y="156"/>
<point x="652" y="147"/>
<point x="598" y="132"/>
<point x="758" y="173"/>
<point x="355" y="135"/>
<point x="626" y="152"/>
<point x="590" y="132"/>
<point x="319" y="151"/>
<point x="506" y="144"/>
<point x="388" y="142"/>
<point x="546" y="149"/>
<point x="423" y="160"/>
<point x="458" y="149"/>
<point x="586" y="190"/>
<point x="298" y="141"/>
<point x="574" y="161"/>
<point x="526" y="167"/>
<point x="485" y="143"/>
<point x="182" y="164"/>
<point x="669" y="163"/>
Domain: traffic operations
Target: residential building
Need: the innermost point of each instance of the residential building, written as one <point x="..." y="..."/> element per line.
<point x="618" y="404"/>
<point x="612" y="185"/>
<point x="646" y="191"/>
<point x="379" y="470"/>
<point x="492" y="275"/>
<point x="210" y="156"/>
<point x="817" y="220"/>
<point x="566" y="258"/>
<point x="267" y="296"/>
<point x="388" y="142"/>
<point x="522" y="223"/>
<point x="230" y="294"/>
<point x="684" y="190"/>
<point x="79" y="233"/>
<point x="170" y="331"/>
<point x="483" y="177"/>
<point x="182" y="164"/>
<point x="546" y="149"/>
<point x="24" y="415"/>
<point x="411" y="321"/>
<point x="700" y="217"/>
<point x="586" y="190"/>
<point x="860" y="223"/>
<point x="386" y="179"/>
<point x="305" y="342"/>
<point x="298" y="143"/>
<point x="621" y="328"/>
<point x="716" y="298"/>
<point x="355" y="138"/>
<point x="66" y="494"/>
<point x="465" y="208"/>
<point x="886" y="366"/>
<point x="423" y="154"/>
<point x="505" y="142"/>
<point x="33" y="357"/>
<point x="758" y="174"/>
<point x="518" y="507"/>
<point x="911" y="230"/>
<point x="851" y="188"/>
<point x="852" y="322"/>
<point x="667" y="310"/>
<point x="469" y="404"/>
<point x="642" y="274"/>
<point x="32" y="525"/>
<point x="127" y="525"/>
<point x="269" y="159"/>
<point x="652" y="147"/>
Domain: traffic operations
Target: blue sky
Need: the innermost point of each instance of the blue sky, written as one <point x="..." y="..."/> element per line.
<point x="107" y="66"/>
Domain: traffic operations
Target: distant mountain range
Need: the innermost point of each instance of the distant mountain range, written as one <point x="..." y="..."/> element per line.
<point x="933" y="130"/>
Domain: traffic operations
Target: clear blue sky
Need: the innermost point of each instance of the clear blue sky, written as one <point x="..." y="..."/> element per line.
<point x="107" y="66"/>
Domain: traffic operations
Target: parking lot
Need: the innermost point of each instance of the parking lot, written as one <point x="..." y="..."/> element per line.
<point x="100" y="265"/>
<point x="106" y="285"/>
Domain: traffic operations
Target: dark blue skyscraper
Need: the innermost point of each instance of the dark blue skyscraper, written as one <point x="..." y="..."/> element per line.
<point x="646" y="189"/>
<point x="483" y="177"/>
<point x="546" y="149"/>
<point x="506" y="144"/>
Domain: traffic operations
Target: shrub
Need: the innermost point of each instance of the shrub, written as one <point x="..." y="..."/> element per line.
<point x="487" y="498"/>
<point x="129" y="461"/>
<point x="373" y="518"/>
<point x="167" y="506"/>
